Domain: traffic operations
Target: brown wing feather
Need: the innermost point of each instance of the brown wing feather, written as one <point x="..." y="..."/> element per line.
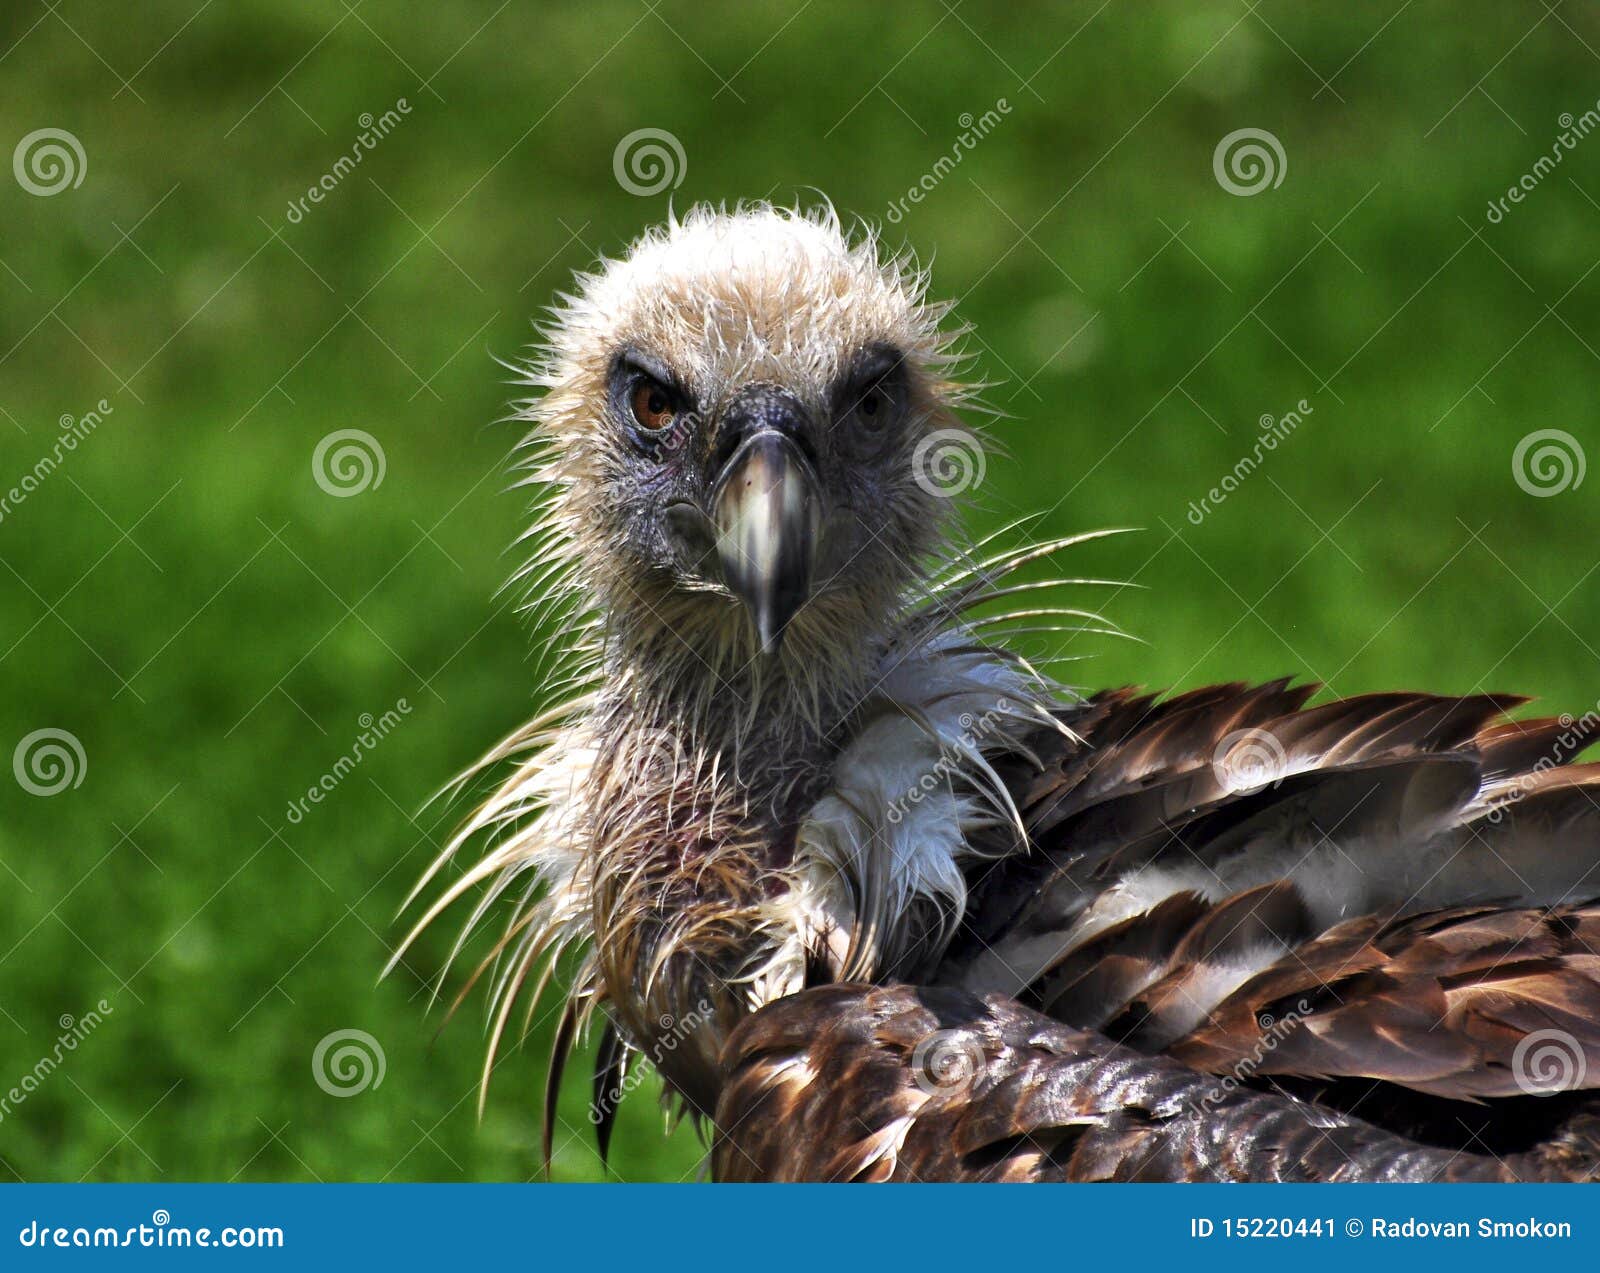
<point x="906" y="1084"/>
<point x="1406" y="903"/>
<point x="1441" y="1003"/>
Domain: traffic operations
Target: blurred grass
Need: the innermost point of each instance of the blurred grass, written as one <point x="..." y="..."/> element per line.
<point x="184" y="599"/>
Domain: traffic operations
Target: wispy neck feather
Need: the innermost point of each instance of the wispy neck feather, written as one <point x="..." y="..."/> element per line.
<point x="695" y="669"/>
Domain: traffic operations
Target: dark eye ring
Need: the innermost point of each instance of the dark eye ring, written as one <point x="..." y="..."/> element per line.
<point x="652" y="406"/>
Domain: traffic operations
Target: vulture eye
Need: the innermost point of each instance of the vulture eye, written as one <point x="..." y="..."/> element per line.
<point x="652" y="406"/>
<point x="872" y="398"/>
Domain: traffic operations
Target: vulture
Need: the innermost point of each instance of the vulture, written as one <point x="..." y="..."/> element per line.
<point x="879" y="898"/>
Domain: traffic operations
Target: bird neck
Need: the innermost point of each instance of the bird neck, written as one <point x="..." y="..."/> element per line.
<point x="769" y="725"/>
<point x="705" y="769"/>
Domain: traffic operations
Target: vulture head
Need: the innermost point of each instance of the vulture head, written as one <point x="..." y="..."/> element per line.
<point x="730" y="415"/>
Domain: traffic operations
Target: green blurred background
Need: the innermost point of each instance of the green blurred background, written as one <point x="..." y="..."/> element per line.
<point x="184" y="599"/>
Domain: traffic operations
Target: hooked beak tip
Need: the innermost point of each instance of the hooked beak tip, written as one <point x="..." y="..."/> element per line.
<point x="771" y="624"/>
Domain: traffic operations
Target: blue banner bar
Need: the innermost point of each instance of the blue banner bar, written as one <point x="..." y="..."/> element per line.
<point x="772" y="1229"/>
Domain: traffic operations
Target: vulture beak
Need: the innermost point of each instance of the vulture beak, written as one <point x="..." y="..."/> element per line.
<point x="766" y="508"/>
